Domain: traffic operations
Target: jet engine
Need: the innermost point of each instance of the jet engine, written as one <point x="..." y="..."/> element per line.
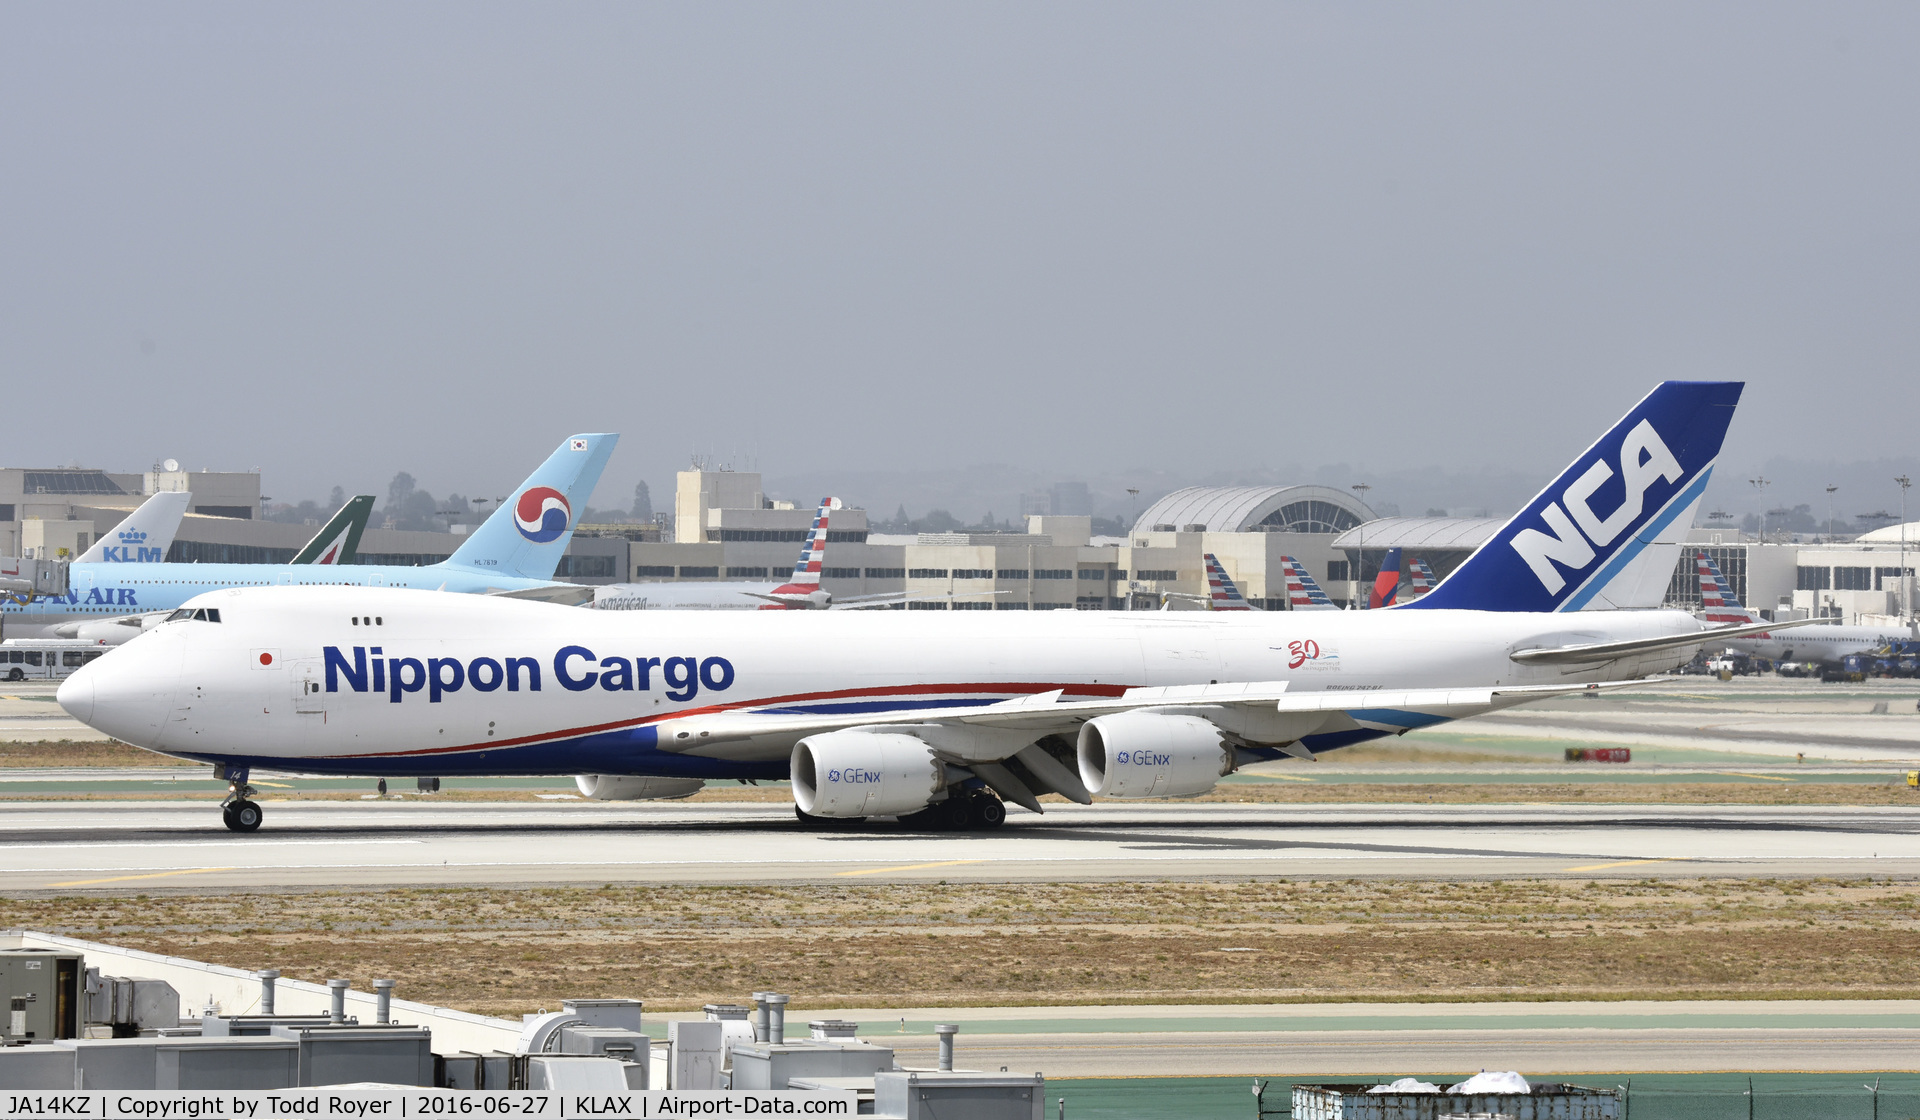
<point x="629" y="787"/>
<point x="1151" y="754"/>
<point x="865" y="774"/>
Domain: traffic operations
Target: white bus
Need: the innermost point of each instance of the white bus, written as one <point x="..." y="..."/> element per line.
<point x="45" y="659"/>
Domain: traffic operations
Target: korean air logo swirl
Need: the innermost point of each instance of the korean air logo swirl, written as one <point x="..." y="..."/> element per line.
<point x="542" y="514"/>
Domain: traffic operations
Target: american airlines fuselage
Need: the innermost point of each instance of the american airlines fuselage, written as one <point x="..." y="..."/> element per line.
<point x="1828" y="644"/>
<point x="370" y="681"/>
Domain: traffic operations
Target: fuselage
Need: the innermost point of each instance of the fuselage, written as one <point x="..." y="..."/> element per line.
<point x="1820" y="643"/>
<point x="101" y="591"/>
<point x="367" y="680"/>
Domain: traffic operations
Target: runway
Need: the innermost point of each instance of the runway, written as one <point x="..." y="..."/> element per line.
<point x="54" y="846"/>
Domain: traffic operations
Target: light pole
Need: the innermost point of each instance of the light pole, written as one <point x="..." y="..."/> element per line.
<point x="1906" y="607"/>
<point x="1830" y="489"/>
<point x="1760" y="487"/>
<point x="1353" y="596"/>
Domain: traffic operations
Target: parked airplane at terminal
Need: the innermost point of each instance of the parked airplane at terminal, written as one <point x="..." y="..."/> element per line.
<point x="1827" y="643"/>
<point x="514" y="552"/>
<point x="335" y="543"/>
<point x="931" y="717"/>
<point x="801" y="591"/>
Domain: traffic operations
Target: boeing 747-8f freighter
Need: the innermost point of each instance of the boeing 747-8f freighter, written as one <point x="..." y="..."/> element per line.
<point x="931" y="717"/>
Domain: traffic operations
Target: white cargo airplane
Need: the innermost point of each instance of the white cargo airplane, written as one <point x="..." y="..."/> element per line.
<point x="905" y="714"/>
<point x="802" y="592"/>
<point x="1827" y="644"/>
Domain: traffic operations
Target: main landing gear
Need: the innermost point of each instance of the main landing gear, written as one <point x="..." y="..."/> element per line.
<point x="239" y="812"/>
<point x="978" y="811"/>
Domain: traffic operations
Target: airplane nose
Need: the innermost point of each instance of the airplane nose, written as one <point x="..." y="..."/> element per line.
<point x="76" y="695"/>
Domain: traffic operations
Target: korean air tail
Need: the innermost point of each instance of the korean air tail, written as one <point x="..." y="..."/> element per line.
<point x="1303" y="594"/>
<point x="527" y="535"/>
<point x="1423" y="580"/>
<point x="1717" y="603"/>
<point x="1607" y="533"/>
<point x="1222" y="595"/>
<point x="1386" y="582"/>
<point x="338" y="541"/>
<point x="144" y="536"/>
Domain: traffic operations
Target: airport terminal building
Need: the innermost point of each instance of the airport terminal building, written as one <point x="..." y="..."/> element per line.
<point x="726" y="528"/>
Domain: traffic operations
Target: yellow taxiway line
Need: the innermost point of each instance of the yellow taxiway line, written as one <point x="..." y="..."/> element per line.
<point x="128" y="878"/>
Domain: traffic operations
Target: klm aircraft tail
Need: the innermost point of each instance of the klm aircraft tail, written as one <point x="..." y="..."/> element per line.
<point x="338" y="541"/>
<point x="526" y="536"/>
<point x="1607" y="533"/>
<point x="144" y="535"/>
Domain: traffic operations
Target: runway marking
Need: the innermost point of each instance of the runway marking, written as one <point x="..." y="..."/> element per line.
<point x="1625" y="863"/>
<point x="1762" y="777"/>
<point x="1282" y="777"/>
<point x="215" y="843"/>
<point x="125" y="878"/>
<point x="910" y="867"/>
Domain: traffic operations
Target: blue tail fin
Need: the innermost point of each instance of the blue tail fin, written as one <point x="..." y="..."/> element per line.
<point x="1607" y="532"/>
<point x="526" y="536"/>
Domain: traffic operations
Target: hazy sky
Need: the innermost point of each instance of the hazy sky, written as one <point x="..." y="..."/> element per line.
<point x="339" y="240"/>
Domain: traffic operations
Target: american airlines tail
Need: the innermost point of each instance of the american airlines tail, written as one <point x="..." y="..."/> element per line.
<point x="144" y="535"/>
<point x="528" y="534"/>
<point x="1386" y="582"/>
<point x="803" y="591"/>
<point x="1423" y="579"/>
<point x="1222" y="594"/>
<point x="338" y="541"/>
<point x="1607" y="533"/>
<point x="1717" y="604"/>
<point x="1303" y="594"/>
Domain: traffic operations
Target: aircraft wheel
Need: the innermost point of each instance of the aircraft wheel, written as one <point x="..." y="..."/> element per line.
<point x="987" y="812"/>
<point x="955" y="814"/>
<point x="242" y="816"/>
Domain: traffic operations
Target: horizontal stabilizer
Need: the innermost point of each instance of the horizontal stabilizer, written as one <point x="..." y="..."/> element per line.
<point x="1609" y="651"/>
<point x="565" y="594"/>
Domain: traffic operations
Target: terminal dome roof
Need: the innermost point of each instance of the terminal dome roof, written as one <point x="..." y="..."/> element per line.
<point x="1433" y="534"/>
<point x="1253" y="509"/>
<point x="1890" y="534"/>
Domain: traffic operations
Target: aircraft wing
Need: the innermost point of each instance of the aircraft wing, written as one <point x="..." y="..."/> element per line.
<point x="565" y="594"/>
<point x="1608" y="651"/>
<point x="1261" y="712"/>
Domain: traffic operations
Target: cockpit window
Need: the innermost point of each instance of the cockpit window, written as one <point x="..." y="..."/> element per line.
<point x="196" y="614"/>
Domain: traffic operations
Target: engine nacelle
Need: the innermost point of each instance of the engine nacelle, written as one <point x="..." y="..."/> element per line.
<point x="865" y="774"/>
<point x="629" y="787"/>
<point x="1150" y="754"/>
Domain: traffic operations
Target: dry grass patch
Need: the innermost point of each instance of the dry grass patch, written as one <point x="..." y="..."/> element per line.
<point x="510" y="951"/>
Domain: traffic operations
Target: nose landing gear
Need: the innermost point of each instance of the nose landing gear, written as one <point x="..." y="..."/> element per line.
<point x="239" y="812"/>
